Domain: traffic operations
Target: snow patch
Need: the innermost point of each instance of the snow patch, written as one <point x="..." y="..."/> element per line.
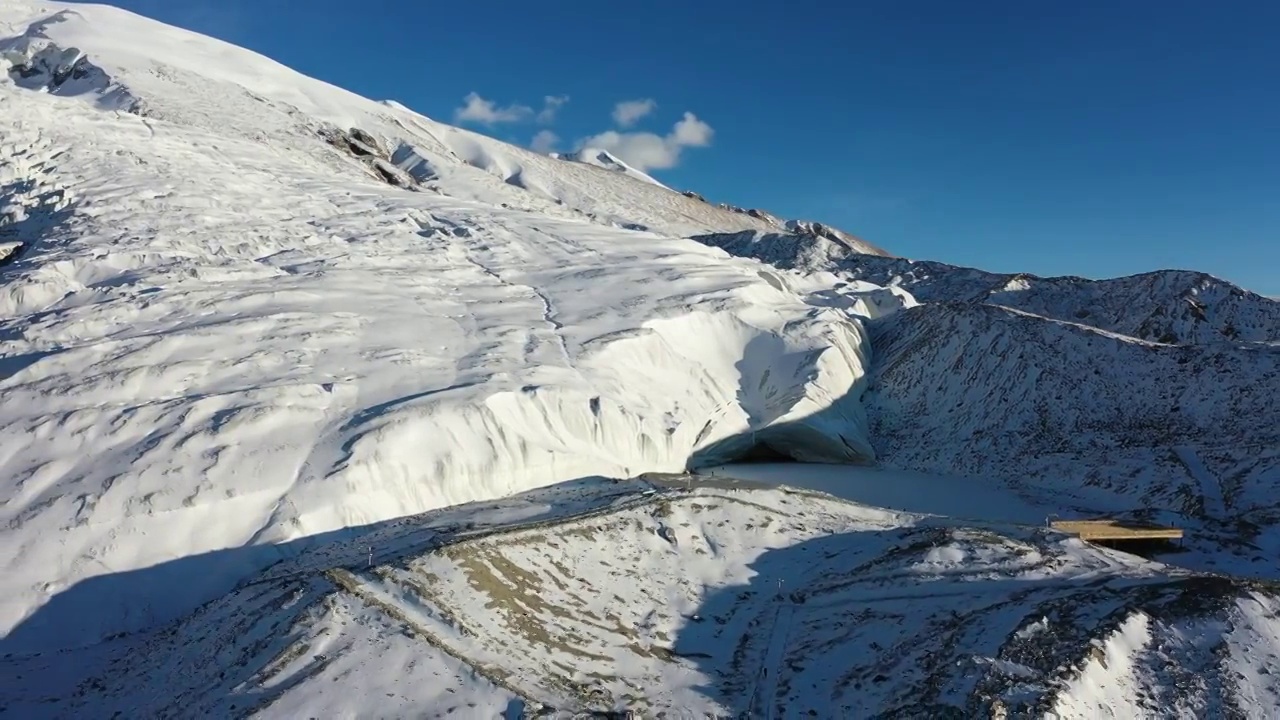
<point x="942" y="558"/>
<point x="1107" y="684"/>
<point x="1033" y="629"/>
<point x="876" y="302"/>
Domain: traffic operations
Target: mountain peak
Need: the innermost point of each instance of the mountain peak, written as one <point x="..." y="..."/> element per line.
<point x="604" y="159"/>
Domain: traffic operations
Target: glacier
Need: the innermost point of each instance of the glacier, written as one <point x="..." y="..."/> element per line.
<point x="313" y="404"/>
<point x="223" y="330"/>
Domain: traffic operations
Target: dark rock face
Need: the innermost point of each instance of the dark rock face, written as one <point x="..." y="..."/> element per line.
<point x="58" y="71"/>
<point x="373" y="154"/>
<point x="797" y="227"/>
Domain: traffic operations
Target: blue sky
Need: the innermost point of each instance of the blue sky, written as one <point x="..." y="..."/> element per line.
<point x="1087" y="138"/>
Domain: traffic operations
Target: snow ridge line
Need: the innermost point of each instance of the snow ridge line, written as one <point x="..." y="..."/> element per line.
<point x="439" y="541"/>
<point x="346" y="577"/>
<point x="351" y="583"/>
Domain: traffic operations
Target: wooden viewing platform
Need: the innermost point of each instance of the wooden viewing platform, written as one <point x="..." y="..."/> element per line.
<point x="1115" y="530"/>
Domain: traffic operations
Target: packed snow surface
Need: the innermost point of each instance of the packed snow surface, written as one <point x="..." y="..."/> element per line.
<point x="972" y="499"/>
<point x="697" y="597"/>
<point x="240" y="332"/>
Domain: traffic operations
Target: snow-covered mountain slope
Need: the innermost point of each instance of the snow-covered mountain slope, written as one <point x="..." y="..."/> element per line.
<point x="1167" y="306"/>
<point x="720" y="599"/>
<point x="605" y="160"/>
<point x="1046" y="382"/>
<point x="1101" y="423"/>
<point x="249" y="320"/>
<point x="231" y="322"/>
<point x="120" y="61"/>
<point x="791" y="244"/>
<point x="1018" y="385"/>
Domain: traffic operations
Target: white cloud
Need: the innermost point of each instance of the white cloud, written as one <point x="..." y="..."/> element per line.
<point x="544" y="142"/>
<point x="486" y="112"/>
<point x="640" y="150"/>
<point x="692" y="132"/>
<point x="649" y="151"/>
<point x="628" y="112"/>
<point x="550" y="105"/>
